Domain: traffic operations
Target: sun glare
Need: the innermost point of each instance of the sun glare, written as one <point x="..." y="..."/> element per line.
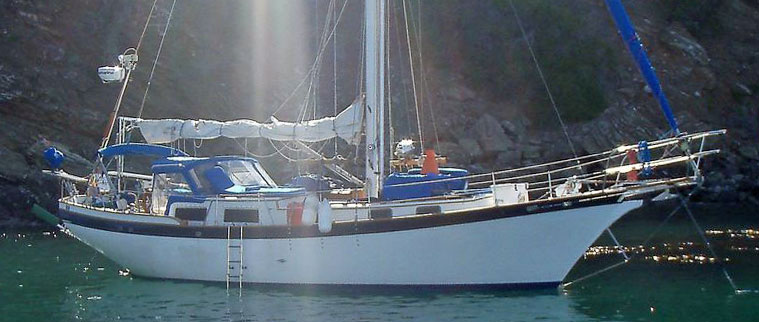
<point x="279" y="36"/>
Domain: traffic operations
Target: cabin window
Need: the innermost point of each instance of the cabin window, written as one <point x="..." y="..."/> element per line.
<point x="244" y="173"/>
<point x="165" y="185"/>
<point x="380" y="213"/>
<point x="241" y="215"/>
<point x="196" y="214"/>
<point x="428" y="210"/>
<point x="198" y="183"/>
<point x="201" y="182"/>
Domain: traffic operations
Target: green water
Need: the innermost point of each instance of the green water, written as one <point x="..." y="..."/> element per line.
<point x="47" y="276"/>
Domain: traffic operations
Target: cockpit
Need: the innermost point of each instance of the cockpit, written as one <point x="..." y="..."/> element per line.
<point x="177" y="177"/>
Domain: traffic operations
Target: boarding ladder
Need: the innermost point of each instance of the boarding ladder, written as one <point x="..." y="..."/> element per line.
<point x="234" y="255"/>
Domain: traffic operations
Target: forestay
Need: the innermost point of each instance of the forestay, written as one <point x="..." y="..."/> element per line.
<point x="346" y="125"/>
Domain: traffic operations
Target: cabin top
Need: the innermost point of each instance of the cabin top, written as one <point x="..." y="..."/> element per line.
<point x="176" y="173"/>
<point x="215" y="176"/>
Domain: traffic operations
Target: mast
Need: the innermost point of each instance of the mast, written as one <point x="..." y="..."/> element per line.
<point x="374" y="13"/>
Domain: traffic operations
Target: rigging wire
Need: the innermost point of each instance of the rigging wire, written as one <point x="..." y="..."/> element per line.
<point x="316" y="24"/>
<point x="413" y="79"/>
<point x="707" y="243"/>
<point x="285" y="146"/>
<point x="155" y="61"/>
<point x="323" y="42"/>
<point x="314" y="65"/>
<point x="145" y="28"/>
<point x="313" y="86"/>
<point x="417" y="36"/>
<point x="400" y="56"/>
<point x="334" y="67"/>
<point x="248" y="152"/>
<point x="312" y="91"/>
<point x="542" y="77"/>
<point x="431" y="110"/>
<point x="279" y="151"/>
<point x="424" y="92"/>
<point x="644" y="244"/>
<point x="115" y="112"/>
<point x="391" y="129"/>
<point x="683" y="205"/>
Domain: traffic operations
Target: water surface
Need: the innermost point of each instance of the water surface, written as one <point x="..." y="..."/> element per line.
<point x="48" y="276"/>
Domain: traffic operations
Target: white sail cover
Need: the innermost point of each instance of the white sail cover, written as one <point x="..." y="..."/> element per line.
<point x="346" y="125"/>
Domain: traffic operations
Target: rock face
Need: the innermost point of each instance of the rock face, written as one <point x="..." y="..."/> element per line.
<point x="491" y="135"/>
<point x="218" y="63"/>
<point x="677" y="37"/>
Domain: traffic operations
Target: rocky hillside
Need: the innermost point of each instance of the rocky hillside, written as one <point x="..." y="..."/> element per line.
<point x="480" y="94"/>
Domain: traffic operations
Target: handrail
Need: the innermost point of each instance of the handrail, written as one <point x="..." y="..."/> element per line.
<point x="615" y="153"/>
<point x="669" y="141"/>
<point x="658" y="163"/>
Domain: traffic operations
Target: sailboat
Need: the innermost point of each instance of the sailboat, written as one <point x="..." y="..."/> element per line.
<point x="224" y="219"/>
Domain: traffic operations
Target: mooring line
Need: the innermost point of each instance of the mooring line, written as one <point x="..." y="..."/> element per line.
<point x="684" y="205"/>
<point x="709" y="245"/>
<point x="598" y="272"/>
<point x="622" y="249"/>
<point x="627" y="260"/>
<point x="644" y="244"/>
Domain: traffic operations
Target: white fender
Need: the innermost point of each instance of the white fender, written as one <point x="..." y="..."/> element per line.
<point x="325" y="216"/>
<point x="310" y="207"/>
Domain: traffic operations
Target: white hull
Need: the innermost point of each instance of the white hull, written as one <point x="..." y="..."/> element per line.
<point x="530" y="249"/>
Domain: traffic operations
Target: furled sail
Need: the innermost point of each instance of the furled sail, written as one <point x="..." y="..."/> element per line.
<point x="346" y="125"/>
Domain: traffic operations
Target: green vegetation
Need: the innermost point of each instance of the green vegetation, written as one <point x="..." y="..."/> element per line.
<point x="482" y="41"/>
<point x="699" y="17"/>
<point x="571" y="58"/>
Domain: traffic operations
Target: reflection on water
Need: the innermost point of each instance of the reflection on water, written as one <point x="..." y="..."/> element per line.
<point x="50" y="276"/>
<point x="684" y="252"/>
<point x="680" y="253"/>
<point x="169" y="301"/>
<point x="735" y="233"/>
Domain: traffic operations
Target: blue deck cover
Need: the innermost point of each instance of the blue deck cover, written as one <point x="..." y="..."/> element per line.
<point x="394" y="188"/>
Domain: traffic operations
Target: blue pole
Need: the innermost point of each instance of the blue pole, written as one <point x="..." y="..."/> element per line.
<point x="627" y="31"/>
